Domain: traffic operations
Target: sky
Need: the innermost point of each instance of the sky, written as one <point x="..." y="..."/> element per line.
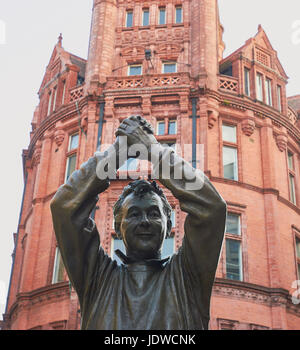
<point x="28" y="33"/>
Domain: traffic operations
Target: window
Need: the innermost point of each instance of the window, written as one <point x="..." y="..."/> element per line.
<point x="49" y="103"/>
<point x="162" y="15"/>
<point x="247" y="81"/>
<point x="168" y="247"/>
<point x="292" y="178"/>
<point x="170" y="67"/>
<point x="129" y="19"/>
<point x="58" y="270"/>
<point x="233" y="247"/>
<point x="145" y="17"/>
<point x="298" y="256"/>
<point x="268" y="90"/>
<point x="259" y="87"/>
<point x="279" y="104"/>
<point x="54" y="99"/>
<point x="172" y="126"/>
<point x="64" y="93"/>
<point x="131" y="164"/>
<point x="117" y="243"/>
<point x="135" y="69"/>
<point x="230" y="161"/>
<point x="72" y="155"/>
<point x="161" y="128"/>
<point x="178" y="14"/>
<point x="173" y="218"/>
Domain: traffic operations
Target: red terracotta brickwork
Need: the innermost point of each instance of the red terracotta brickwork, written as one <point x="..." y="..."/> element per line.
<point x="245" y="93"/>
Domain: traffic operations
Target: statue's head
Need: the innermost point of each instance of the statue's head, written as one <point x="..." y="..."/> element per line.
<point x="142" y="219"/>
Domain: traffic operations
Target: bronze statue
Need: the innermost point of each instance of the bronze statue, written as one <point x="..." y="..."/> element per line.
<point x="145" y="292"/>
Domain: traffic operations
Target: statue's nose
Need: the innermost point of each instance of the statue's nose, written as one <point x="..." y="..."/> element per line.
<point x="144" y="220"/>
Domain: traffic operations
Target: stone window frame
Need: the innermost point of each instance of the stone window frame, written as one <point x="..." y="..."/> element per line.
<point x="175" y="13"/>
<point x="144" y="9"/>
<point x="226" y="324"/>
<point x="166" y="121"/>
<point x="292" y="174"/>
<point x="296" y="236"/>
<point x="240" y="210"/>
<point x="71" y="152"/>
<point x="225" y="120"/>
<point x="248" y="69"/>
<point x="129" y="10"/>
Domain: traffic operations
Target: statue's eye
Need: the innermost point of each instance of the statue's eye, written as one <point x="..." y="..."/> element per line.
<point x="154" y="214"/>
<point x="133" y="214"/>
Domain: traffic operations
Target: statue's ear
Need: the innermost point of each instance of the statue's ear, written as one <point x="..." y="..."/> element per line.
<point x="169" y="228"/>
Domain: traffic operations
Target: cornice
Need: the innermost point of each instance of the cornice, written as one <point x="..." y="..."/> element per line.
<point x="254" y="293"/>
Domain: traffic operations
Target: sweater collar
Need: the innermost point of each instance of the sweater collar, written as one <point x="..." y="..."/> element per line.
<point x="150" y="262"/>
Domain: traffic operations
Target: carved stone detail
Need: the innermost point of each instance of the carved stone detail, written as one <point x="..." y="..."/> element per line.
<point x="248" y="126"/>
<point x="212" y="118"/>
<point x="59" y="137"/>
<point x="281" y="141"/>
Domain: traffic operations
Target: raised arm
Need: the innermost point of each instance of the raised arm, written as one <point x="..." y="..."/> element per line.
<point x="76" y="232"/>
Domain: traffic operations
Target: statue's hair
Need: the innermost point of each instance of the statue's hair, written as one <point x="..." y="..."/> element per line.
<point x="139" y="188"/>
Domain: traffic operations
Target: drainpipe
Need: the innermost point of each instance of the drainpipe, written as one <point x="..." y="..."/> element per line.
<point x="194" y="131"/>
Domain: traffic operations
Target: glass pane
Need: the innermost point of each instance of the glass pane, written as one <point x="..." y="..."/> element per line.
<point x="233" y="260"/>
<point x="299" y="271"/>
<point x="117" y="243"/>
<point x="233" y="224"/>
<point x="268" y="86"/>
<point x="135" y="70"/>
<point x="129" y="19"/>
<point x="230" y="163"/>
<point x="162" y="16"/>
<point x="71" y="165"/>
<point x="145" y="17"/>
<point x="247" y="82"/>
<point x="178" y="14"/>
<point x="279" y="97"/>
<point x="168" y="247"/>
<point x="229" y="133"/>
<point x="290" y="161"/>
<point x="298" y="247"/>
<point x="161" y="128"/>
<point x="259" y="87"/>
<point x="169" y="68"/>
<point x="173" y="218"/>
<point x="292" y="189"/>
<point x="172" y="128"/>
<point x="58" y="274"/>
<point x="74" y="139"/>
<point x="129" y="165"/>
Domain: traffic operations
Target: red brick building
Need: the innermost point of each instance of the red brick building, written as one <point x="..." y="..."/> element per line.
<point x="164" y="60"/>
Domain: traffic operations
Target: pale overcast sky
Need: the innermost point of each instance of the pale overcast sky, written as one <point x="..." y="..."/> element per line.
<point x="28" y="32"/>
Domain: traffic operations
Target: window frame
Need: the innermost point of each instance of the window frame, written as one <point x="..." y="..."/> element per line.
<point x="145" y="10"/>
<point x="279" y="97"/>
<point x="269" y="91"/>
<point x="159" y="15"/>
<point x="291" y="176"/>
<point x="71" y="153"/>
<point x="57" y="266"/>
<point x="259" y="89"/>
<point x="232" y="145"/>
<point x="239" y="239"/>
<point x="247" y="87"/>
<point x="129" y="11"/>
<point x="181" y="14"/>
<point x="134" y="65"/>
<point x="169" y="64"/>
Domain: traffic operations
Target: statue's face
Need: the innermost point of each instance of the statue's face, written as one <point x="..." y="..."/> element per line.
<point x="143" y="226"/>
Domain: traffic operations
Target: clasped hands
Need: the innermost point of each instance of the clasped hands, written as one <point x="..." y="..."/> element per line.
<point x="135" y="130"/>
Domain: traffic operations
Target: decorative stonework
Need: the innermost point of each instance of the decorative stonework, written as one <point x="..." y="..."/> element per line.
<point x="37" y="154"/>
<point x="212" y="118"/>
<point x="59" y="137"/>
<point x="281" y="141"/>
<point x="248" y="126"/>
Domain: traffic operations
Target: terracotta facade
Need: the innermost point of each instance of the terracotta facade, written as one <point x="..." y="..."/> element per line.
<point x="187" y="80"/>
